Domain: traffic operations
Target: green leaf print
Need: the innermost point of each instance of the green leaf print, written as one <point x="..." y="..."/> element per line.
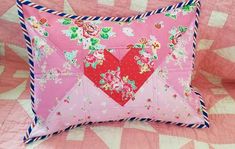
<point x="167" y="15"/>
<point x="94" y="65"/>
<point x="181" y="53"/>
<point x="87" y="64"/>
<point x="73" y="36"/>
<point x="132" y="83"/>
<point x="36" y="41"/>
<point x="173" y="16"/>
<point x="171" y="37"/>
<point x="138" y="46"/>
<point x="182" y="29"/>
<point x="106" y="29"/>
<point x="102" y="75"/>
<point x="73" y="28"/>
<point x="104" y="35"/>
<point x="94" y="41"/>
<point x="102" y="82"/>
<point x="92" y="48"/>
<point x="46" y="34"/>
<point x="171" y="45"/>
<point x="155" y="57"/>
<point x="170" y="15"/>
<point x="188" y="8"/>
<point x="139" y="62"/>
<point x="66" y="21"/>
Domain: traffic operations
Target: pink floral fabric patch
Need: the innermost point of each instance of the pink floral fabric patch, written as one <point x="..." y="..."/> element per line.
<point x="87" y="69"/>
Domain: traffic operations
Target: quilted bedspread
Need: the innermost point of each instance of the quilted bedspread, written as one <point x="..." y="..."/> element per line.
<point x="214" y="76"/>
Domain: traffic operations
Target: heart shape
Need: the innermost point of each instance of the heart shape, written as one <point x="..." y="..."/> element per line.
<point x="119" y="79"/>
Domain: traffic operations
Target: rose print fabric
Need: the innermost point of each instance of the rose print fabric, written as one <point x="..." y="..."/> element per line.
<point x="94" y="71"/>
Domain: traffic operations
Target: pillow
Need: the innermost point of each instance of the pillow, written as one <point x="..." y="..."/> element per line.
<point x="87" y="69"/>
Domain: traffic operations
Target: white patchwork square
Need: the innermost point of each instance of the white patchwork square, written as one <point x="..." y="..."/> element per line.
<point x="217" y="19"/>
<point x="227" y="53"/>
<point x="106" y="2"/>
<point x="76" y="134"/>
<point x="139" y="5"/>
<point x="205" y="44"/>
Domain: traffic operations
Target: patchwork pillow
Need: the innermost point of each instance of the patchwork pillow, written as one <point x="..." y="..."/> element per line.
<point x="87" y="69"/>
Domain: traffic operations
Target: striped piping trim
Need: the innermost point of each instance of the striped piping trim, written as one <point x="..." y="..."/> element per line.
<point x="20" y="3"/>
<point x="106" y="18"/>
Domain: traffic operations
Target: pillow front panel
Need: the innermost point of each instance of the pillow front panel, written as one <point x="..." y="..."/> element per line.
<point x="95" y="71"/>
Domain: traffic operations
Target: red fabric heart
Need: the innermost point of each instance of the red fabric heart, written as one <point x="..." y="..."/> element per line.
<point x="128" y="67"/>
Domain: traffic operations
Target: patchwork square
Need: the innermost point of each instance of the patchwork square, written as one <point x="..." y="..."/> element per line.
<point x="88" y="69"/>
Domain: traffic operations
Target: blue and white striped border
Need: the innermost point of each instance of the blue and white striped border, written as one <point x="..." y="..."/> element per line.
<point x="20" y="3"/>
<point x="106" y="18"/>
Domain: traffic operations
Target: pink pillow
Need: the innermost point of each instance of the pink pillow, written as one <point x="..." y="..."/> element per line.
<point x="87" y="69"/>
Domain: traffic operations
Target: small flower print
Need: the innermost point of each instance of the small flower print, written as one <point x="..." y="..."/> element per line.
<point x="152" y="42"/>
<point x="159" y="25"/>
<point x="145" y="61"/>
<point x="147" y="55"/>
<point x="188" y="8"/>
<point x="155" y="45"/>
<point x="49" y="75"/>
<point x="92" y="44"/>
<point x="42" y="49"/>
<point x="148" y="104"/>
<point x="186" y="87"/>
<point x="185" y="10"/>
<point x="199" y="110"/>
<point x="149" y="100"/>
<point x="166" y="87"/>
<point x="39" y="25"/>
<point x="177" y="46"/>
<point x="71" y="57"/>
<point x="112" y="81"/>
<point x="176" y="33"/>
<point x="67" y="99"/>
<point x="148" y="107"/>
<point x="174" y="95"/>
<point x="94" y="58"/>
<point x="177" y="116"/>
<point x="58" y="113"/>
<point x="128" y="31"/>
<point x="162" y="73"/>
<point x="143" y="41"/>
<point x="173" y="13"/>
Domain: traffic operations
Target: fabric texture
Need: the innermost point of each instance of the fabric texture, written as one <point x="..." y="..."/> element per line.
<point x="213" y="75"/>
<point x="106" y="69"/>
